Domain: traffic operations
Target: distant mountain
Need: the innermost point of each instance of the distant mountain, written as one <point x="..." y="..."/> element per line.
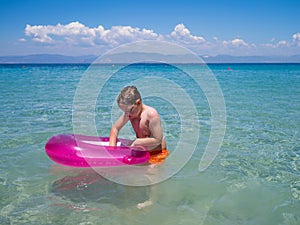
<point x="47" y="58"/>
<point x="252" y="59"/>
<point x="147" y="57"/>
<point x="129" y="57"/>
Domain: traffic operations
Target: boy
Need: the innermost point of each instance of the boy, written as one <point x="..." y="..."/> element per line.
<point x="144" y="119"/>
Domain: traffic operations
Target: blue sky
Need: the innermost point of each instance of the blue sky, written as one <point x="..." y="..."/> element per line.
<point x="212" y="27"/>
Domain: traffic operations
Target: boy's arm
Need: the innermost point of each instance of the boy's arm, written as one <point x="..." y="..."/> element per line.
<point x="116" y="128"/>
<point x="151" y="143"/>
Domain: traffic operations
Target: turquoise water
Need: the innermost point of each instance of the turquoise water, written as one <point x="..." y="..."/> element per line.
<point x="255" y="178"/>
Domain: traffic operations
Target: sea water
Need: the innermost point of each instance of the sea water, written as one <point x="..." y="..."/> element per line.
<point x="255" y="178"/>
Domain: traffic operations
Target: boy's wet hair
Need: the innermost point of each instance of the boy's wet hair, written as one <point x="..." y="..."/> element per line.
<point x="129" y="95"/>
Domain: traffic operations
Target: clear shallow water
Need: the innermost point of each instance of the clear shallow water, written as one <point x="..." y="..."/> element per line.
<point x="255" y="178"/>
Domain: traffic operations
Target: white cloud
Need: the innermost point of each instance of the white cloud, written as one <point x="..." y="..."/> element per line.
<point x="296" y="39"/>
<point x="22" y="40"/>
<point x="77" y="33"/>
<point x="76" y="37"/>
<point x="283" y="43"/>
<point x="183" y="35"/>
<point x="279" y="44"/>
<point x="294" y="43"/>
<point x="237" y="42"/>
<point x="123" y="34"/>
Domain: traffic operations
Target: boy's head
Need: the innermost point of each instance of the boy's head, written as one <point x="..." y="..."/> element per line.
<point x="129" y="96"/>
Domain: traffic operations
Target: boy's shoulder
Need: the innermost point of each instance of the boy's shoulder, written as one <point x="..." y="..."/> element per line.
<point x="151" y="112"/>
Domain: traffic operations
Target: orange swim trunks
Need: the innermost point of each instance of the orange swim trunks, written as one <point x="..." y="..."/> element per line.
<point x="158" y="157"/>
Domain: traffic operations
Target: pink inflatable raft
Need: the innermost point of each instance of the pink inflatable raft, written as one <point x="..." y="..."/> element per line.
<point x="88" y="151"/>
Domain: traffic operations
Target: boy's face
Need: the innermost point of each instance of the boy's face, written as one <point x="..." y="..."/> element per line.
<point x="131" y="110"/>
<point x="127" y="109"/>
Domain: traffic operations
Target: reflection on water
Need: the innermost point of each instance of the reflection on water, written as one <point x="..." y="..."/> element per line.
<point x="85" y="186"/>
